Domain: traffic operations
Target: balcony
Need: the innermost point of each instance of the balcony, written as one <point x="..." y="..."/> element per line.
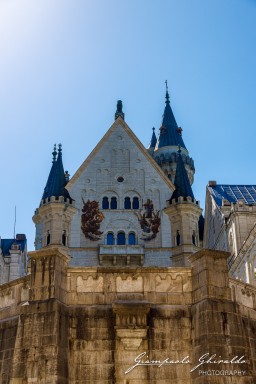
<point x="121" y="255"/>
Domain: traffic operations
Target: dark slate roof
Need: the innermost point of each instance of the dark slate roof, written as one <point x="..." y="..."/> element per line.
<point x="153" y="140"/>
<point x="181" y="181"/>
<point x="7" y="243"/>
<point x="56" y="182"/>
<point x="233" y="193"/>
<point x="170" y="133"/>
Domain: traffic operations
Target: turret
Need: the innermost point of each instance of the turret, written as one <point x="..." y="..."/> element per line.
<point x="55" y="212"/>
<point x="183" y="212"/>
<point x="152" y="143"/>
<point x="169" y="141"/>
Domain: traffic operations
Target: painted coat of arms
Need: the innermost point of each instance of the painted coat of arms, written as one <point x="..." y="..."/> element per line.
<point x="149" y="221"/>
<point x="91" y="220"/>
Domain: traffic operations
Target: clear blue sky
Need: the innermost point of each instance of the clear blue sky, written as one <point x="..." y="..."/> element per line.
<point x="65" y="63"/>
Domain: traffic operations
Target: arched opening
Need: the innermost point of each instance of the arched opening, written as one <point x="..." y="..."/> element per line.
<point x="110" y="239"/>
<point x="131" y="238"/>
<point x="105" y="203"/>
<point x="113" y="203"/>
<point x="127" y="203"/>
<point x="121" y="238"/>
<point x="135" y="203"/>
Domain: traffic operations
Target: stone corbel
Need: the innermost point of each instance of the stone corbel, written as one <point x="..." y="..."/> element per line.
<point x="131" y="323"/>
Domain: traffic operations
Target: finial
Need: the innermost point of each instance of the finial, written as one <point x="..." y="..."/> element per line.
<point x="119" y="110"/>
<point x="153" y="129"/>
<point x="60" y="149"/>
<point x="167" y="93"/>
<point x="54" y="153"/>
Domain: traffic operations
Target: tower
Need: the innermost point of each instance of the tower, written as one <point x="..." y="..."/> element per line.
<point x="53" y="217"/>
<point x="184" y="212"/>
<point x="169" y="140"/>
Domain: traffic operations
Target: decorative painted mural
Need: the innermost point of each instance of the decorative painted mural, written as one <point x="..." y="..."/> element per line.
<point x="91" y="220"/>
<point x="149" y="221"/>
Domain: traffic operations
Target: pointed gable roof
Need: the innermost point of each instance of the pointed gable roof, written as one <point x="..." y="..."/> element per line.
<point x="56" y="182"/>
<point x="181" y="182"/>
<point x="153" y="140"/>
<point x="170" y="133"/>
<point x="119" y="122"/>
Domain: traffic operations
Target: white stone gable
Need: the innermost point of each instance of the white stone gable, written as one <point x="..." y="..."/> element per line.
<point x="118" y="168"/>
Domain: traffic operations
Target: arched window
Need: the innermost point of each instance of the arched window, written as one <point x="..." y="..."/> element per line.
<point x="131" y="238"/>
<point x="127" y="203"/>
<point x="113" y="203"/>
<point x="194" y="238"/>
<point x="48" y="238"/>
<point x="121" y="238"/>
<point x="135" y="203"/>
<point x="110" y="238"/>
<point x="64" y="238"/>
<point x="105" y="203"/>
<point x="178" y="238"/>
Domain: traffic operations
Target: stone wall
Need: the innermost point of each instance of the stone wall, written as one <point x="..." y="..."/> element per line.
<point x="93" y="327"/>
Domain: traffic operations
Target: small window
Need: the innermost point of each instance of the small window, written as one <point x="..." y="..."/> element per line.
<point x="135" y="203"/>
<point x="132" y="238"/>
<point x="121" y="238"/>
<point x="105" y="203"/>
<point x="64" y="238"/>
<point x="178" y="238"/>
<point x="194" y="238"/>
<point x="48" y="238"/>
<point x="127" y="203"/>
<point x="110" y="238"/>
<point x="113" y="203"/>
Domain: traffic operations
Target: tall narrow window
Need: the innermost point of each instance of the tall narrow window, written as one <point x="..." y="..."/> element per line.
<point x="194" y="238"/>
<point x="131" y="238"/>
<point x="178" y="238"/>
<point x="48" y="238"/>
<point x="127" y="203"/>
<point x="121" y="238"/>
<point x="105" y="203"/>
<point x="64" y="238"/>
<point x="110" y="238"/>
<point x="135" y="203"/>
<point x="113" y="203"/>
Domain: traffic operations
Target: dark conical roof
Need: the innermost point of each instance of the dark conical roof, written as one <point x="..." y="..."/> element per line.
<point x="153" y="140"/>
<point x="181" y="182"/>
<point x="170" y="133"/>
<point x="56" y="182"/>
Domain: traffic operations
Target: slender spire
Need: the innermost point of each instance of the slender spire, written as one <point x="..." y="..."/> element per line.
<point x="54" y="153"/>
<point x="153" y="140"/>
<point x="181" y="182"/>
<point x="170" y="133"/>
<point x="119" y="110"/>
<point x="56" y="182"/>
